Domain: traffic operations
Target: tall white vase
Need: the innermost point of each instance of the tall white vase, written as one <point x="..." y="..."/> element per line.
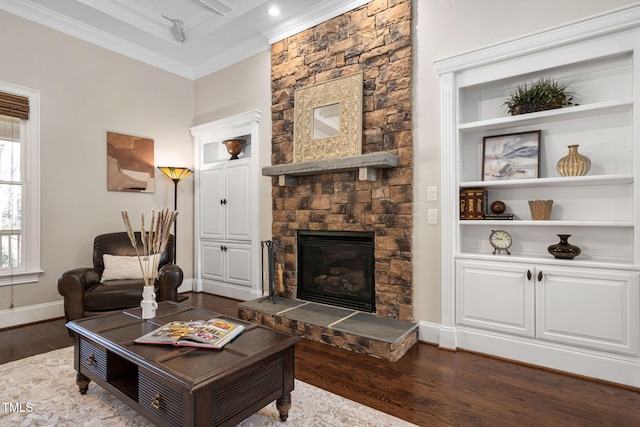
<point x="148" y="303"/>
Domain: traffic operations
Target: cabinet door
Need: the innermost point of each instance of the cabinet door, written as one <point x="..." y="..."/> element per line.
<point x="212" y="261"/>
<point x="238" y="201"/>
<point x="211" y="208"/>
<point x="588" y="307"/>
<point x="496" y="296"/>
<point x="238" y="264"/>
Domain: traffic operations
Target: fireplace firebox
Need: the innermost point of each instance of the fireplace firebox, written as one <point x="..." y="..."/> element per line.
<point x="336" y="268"/>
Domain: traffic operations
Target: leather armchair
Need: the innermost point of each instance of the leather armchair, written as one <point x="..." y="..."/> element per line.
<point x="85" y="295"/>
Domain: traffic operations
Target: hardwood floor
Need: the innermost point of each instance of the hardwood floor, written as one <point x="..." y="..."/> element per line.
<point x="428" y="386"/>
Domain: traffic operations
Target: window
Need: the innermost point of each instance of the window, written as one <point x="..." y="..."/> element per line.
<point x="19" y="185"/>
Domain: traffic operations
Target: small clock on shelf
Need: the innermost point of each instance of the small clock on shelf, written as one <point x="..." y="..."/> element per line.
<point x="501" y="242"/>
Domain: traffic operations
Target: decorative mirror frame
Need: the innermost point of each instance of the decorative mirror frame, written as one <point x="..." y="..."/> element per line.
<point x="346" y="91"/>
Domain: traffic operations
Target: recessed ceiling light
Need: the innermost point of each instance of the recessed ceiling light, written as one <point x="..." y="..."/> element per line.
<point x="274" y="11"/>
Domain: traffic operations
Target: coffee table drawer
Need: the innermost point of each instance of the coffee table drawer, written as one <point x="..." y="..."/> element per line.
<point x="159" y="399"/>
<point x="94" y="359"/>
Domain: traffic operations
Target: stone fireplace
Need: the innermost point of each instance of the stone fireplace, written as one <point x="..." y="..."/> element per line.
<point x="368" y="195"/>
<point x="336" y="268"/>
<point x="374" y="39"/>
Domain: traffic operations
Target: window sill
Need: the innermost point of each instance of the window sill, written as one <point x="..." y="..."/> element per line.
<point x="20" y="278"/>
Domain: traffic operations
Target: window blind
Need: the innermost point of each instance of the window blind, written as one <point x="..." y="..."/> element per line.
<point x="14" y="106"/>
<point x="9" y="128"/>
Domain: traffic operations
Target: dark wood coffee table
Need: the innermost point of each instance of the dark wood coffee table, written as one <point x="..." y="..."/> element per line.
<point x="185" y="386"/>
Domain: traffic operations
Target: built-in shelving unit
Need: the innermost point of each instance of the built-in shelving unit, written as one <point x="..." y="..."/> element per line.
<point x="580" y="315"/>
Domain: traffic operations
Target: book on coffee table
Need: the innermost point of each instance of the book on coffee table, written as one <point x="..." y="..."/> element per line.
<point x="214" y="333"/>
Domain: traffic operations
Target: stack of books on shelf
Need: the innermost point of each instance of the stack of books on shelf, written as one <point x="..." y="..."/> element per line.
<point x="498" y="216"/>
<point x="472" y="203"/>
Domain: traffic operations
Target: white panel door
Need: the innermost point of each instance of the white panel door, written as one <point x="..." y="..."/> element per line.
<point x="213" y="261"/>
<point x="212" y="202"/>
<point x="238" y="264"/>
<point x="495" y="296"/>
<point x="237" y="201"/>
<point x="589" y="307"/>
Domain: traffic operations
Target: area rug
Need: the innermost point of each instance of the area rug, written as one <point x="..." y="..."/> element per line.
<point x="41" y="391"/>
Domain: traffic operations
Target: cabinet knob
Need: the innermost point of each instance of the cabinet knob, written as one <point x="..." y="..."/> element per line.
<point x="90" y="360"/>
<point x="540" y="276"/>
<point x="223" y="201"/>
<point x="223" y="248"/>
<point x="528" y="274"/>
<point x="156" y="402"/>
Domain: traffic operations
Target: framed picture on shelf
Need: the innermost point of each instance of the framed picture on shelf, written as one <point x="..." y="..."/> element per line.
<point x="511" y="156"/>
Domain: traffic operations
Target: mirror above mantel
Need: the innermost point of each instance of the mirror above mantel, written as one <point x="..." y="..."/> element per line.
<point x="328" y="119"/>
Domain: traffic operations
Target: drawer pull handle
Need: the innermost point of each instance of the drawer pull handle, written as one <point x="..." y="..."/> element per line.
<point x="528" y="274"/>
<point x="540" y="276"/>
<point x="90" y="360"/>
<point x="156" y="401"/>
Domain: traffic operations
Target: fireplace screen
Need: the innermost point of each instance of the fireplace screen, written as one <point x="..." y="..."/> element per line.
<point x="336" y="268"/>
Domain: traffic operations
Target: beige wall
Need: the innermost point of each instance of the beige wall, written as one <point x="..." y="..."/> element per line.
<point x="87" y="90"/>
<point x="444" y="28"/>
<point x="242" y="87"/>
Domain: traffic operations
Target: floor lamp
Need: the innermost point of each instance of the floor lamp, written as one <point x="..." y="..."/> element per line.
<point x="176" y="174"/>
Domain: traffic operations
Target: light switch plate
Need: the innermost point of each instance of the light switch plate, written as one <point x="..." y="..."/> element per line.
<point x="432" y="194"/>
<point x="432" y="216"/>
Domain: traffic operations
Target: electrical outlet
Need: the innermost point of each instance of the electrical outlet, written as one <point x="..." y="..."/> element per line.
<point x="432" y="216"/>
<point x="432" y="194"/>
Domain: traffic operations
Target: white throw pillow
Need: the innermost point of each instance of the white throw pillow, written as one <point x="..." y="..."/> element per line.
<point x="125" y="267"/>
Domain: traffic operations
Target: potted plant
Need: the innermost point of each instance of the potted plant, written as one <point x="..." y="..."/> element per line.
<point x="545" y="94"/>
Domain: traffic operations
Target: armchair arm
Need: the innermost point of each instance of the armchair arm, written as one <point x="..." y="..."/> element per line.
<point x="72" y="285"/>
<point x="169" y="280"/>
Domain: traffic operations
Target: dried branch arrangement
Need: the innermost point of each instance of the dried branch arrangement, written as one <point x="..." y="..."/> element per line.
<point x="154" y="240"/>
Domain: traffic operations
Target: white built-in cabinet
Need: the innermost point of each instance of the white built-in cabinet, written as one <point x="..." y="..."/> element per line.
<point x="586" y="307"/>
<point x="226" y="223"/>
<point x="579" y="315"/>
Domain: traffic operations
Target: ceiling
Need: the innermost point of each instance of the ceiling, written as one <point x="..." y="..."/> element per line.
<point x="217" y="33"/>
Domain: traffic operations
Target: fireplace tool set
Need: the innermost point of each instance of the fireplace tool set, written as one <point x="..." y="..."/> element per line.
<point x="274" y="257"/>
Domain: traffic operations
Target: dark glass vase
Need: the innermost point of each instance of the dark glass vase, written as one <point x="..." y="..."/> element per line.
<point x="563" y="249"/>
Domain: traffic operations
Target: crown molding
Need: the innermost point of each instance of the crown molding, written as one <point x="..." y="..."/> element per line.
<point x="74" y="28"/>
<point x="241" y="52"/>
<point x="598" y="25"/>
<point x="310" y="18"/>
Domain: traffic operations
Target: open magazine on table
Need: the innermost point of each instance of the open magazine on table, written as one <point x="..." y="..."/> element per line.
<point x="213" y="333"/>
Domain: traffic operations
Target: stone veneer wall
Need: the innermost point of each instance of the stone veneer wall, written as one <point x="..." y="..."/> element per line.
<point x="376" y="39"/>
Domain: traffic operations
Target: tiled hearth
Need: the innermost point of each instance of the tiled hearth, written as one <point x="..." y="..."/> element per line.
<point x="353" y="330"/>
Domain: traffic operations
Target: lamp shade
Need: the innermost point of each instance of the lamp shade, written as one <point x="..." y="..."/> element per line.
<point x="175" y="173"/>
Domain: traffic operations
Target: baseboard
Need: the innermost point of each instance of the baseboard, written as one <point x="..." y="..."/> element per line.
<point x="428" y="332"/>
<point x="186" y="286"/>
<point x="230" y="290"/>
<point x="30" y="314"/>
